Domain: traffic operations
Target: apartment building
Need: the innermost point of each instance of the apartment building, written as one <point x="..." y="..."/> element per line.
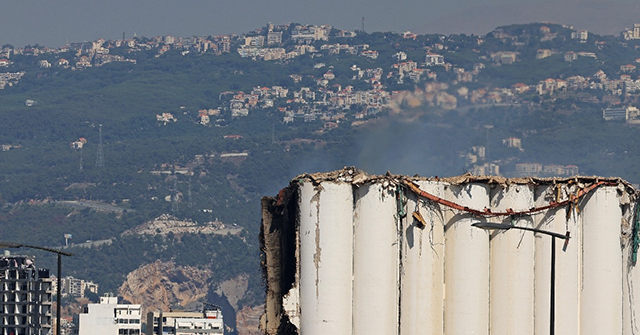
<point x="207" y="322"/>
<point x="109" y="318"/>
<point x="25" y="297"/>
<point x="76" y="287"/>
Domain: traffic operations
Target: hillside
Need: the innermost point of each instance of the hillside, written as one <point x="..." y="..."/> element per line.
<point x="108" y="143"/>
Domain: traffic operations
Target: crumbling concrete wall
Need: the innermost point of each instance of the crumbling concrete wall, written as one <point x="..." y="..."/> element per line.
<point x="278" y="246"/>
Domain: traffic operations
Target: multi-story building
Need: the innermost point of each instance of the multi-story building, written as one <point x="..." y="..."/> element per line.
<point x="434" y="59"/>
<point x="109" y="318"/>
<point x="512" y="142"/>
<point x="25" y="297"/>
<point x="207" y="322"/>
<point x="274" y="37"/>
<point x="632" y="34"/>
<point x="486" y="169"/>
<point x="581" y="35"/>
<point x="620" y="113"/>
<point x="308" y="34"/>
<point x="76" y="287"/>
<point x="528" y="169"/>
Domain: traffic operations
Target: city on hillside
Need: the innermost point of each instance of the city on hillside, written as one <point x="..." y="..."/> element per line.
<point x="443" y="72"/>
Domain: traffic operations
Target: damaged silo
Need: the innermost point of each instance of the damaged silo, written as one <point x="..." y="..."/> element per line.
<point x="350" y="253"/>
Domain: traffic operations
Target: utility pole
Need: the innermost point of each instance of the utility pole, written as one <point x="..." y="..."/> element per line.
<point x="174" y="203"/>
<point x="190" y="204"/>
<point x="100" y="156"/>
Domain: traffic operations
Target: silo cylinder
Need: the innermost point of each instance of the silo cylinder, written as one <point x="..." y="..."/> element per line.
<point x="375" y="261"/>
<point x="512" y="265"/>
<point x="466" y="264"/>
<point x="601" y="291"/>
<point x="567" y="265"/>
<point x="326" y="252"/>
<point x="422" y="276"/>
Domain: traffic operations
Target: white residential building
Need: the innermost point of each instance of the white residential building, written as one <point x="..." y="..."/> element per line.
<point x="207" y="322"/>
<point x="632" y="34"/>
<point x="434" y="59"/>
<point x="73" y="286"/>
<point x="308" y="34"/>
<point x="109" y="318"/>
<point x="581" y="35"/>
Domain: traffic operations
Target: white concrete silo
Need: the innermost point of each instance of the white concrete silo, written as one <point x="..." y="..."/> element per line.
<point x="467" y="264"/>
<point x="567" y="264"/>
<point x="326" y="252"/>
<point x="365" y="265"/>
<point x="512" y="264"/>
<point x="375" y="260"/>
<point x="601" y="288"/>
<point x="422" y="272"/>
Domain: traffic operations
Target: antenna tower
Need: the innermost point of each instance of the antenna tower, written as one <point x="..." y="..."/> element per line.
<point x="100" y="156"/>
<point x="190" y="204"/>
<point x="80" y="159"/>
<point x="363" y="24"/>
<point x="174" y="203"/>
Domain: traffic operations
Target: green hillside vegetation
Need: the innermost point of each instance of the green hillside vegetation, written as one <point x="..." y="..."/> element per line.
<point x="142" y="155"/>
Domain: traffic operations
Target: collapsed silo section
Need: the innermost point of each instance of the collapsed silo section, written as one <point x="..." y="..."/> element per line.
<point x="325" y="257"/>
<point x="278" y="242"/>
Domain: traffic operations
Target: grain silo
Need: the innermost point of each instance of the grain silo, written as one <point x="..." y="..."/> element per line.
<point x="350" y="253"/>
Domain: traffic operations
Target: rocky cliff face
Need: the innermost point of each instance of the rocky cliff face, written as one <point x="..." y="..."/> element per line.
<point x="164" y="285"/>
<point x="248" y="320"/>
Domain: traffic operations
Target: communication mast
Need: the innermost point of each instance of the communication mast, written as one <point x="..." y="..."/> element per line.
<point x="100" y="156"/>
<point x="174" y="203"/>
<point x="80" y="159"/>
<point x="190" y="204"/>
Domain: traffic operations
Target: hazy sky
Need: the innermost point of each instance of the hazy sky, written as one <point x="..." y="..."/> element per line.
<point x="53" y="23"/>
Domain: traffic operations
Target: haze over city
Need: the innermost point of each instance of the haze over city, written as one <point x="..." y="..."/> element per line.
<point x="56" y="23"/>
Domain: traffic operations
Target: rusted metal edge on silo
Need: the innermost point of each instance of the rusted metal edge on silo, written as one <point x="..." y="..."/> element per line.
<point x="356" y="176"/>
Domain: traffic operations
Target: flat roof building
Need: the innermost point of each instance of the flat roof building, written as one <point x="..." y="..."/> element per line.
<point x="209" y="321"/>
<point x="109" y="318"/>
